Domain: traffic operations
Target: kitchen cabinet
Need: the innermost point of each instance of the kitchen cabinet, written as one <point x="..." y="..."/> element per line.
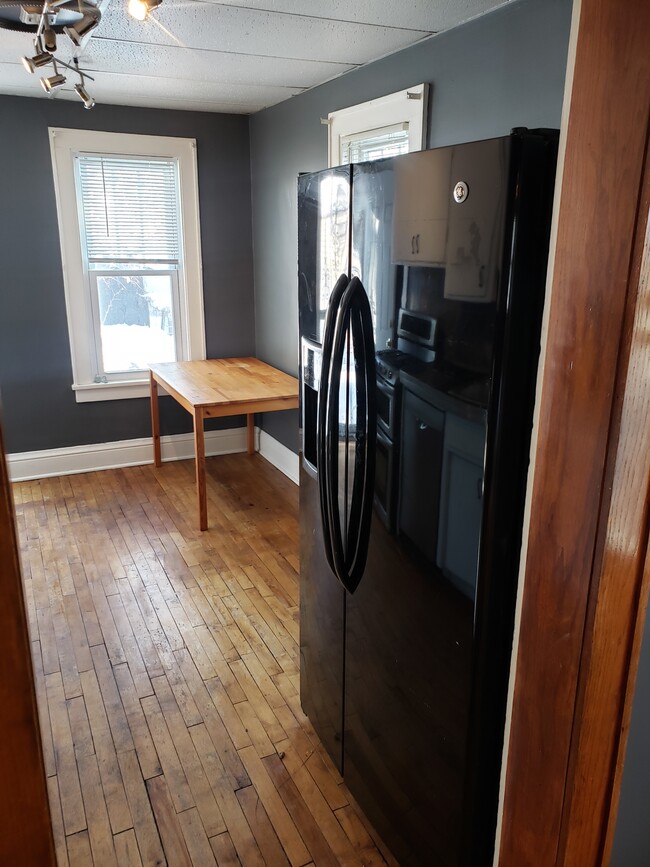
<point x="420" y="209"/>
<point x="461" y="501"/>
<point x="420" y="467"/>
<point x="475" y="230"/>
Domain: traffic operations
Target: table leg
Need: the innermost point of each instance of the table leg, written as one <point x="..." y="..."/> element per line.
<point x="250" y="430"/>
<point x="155" y="421"/>
<point x="199" y="447"/>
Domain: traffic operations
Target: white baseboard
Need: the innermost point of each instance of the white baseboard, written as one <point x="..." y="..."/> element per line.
<point x="280" y="456"/>
<point x="24" y="466"/>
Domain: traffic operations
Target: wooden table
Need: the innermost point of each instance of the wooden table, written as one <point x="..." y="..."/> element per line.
<point x="216" y="388"/>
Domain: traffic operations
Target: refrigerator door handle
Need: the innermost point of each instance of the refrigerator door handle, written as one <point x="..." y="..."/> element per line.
<point x="322" y="446"/>
<point x="349" y="553"/>
<point x="363" y="487"/>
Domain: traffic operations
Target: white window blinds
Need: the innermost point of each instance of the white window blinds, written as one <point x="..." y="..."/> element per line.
<point x="374" y="144"/>
<point x="128" y="208"/>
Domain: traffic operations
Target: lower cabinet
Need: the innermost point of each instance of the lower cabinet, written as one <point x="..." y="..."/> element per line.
<point x="420" y="466"/>
<point x="461" y="501"/>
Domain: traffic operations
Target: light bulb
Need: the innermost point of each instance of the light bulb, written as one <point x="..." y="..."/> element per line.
<point x="138" y="9"/>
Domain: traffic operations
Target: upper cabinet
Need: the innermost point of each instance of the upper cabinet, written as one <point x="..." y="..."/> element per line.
<point x="420" y="213"/>
<point x="449" y="213"/>
<point x="475" y="231"/>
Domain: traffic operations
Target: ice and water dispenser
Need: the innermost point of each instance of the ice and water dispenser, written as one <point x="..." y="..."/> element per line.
<point x="311" y="366"/>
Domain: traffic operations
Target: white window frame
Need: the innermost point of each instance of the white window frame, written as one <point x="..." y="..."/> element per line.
<point x="403" y="107"/>
<point x="64" y="145"/>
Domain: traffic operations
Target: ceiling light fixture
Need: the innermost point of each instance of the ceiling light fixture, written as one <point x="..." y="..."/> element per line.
<point x="45" y="19"/>
<point x="87" y="100"/>
<point x="77" y="32"/>
<point x="54" y="81"/>
<point x="42" y="58"/>
<point x="49" y="39"/>
<point x="140" y="9"/>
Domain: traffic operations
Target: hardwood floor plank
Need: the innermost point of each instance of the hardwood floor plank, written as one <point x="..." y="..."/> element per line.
<point x="43" y="710"/>
<point x="57" y="822"/>
<point x="80" y="727"/>
<point x="112" y="702"/>
<point x="196" y="839"/>
<point x="226" y="710"/>
<point x="171" y="833"/>
<point x="79" y="852"/>
<point x="224" y="851"/>
<point x="134" y="659"/>
<point x="147" y="755"/>
<point x="169" y="760"/>
<point x="275" y="807"/>
<point x="261" y="826"/>
<point x="126" y="849"/>
<point x="260" y="706"/>
<point x="111" y="779"/>
<point x="211" y="711"/>
<point x="194" y="773"/>
<point x="144" y="825"/>
<point x="72" y="806"/>
<point x="75" y="624"/>
<point x="238" y="827"/>
<point x="99" y="827"/>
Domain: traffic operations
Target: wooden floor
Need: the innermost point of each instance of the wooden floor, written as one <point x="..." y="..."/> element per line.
<point x="167" y="672"/>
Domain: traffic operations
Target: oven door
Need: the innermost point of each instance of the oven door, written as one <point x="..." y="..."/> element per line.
<point x="386" y="407"/>
<point x="384" y="480"/>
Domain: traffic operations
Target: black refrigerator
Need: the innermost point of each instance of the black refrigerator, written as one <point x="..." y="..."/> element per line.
<point x="421" y="285"/>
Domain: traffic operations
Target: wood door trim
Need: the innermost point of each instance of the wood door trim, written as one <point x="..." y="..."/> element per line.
<point x="570" y="500"/>
<point x="25" y="824"/>
<point x="616" y="582"/>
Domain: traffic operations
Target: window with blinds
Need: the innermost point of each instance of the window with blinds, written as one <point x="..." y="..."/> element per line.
<point x="130" y="232"/>
<point x="375" y="144"/>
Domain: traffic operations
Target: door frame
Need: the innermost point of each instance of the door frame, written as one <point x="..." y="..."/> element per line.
<point x="582" y="603"/>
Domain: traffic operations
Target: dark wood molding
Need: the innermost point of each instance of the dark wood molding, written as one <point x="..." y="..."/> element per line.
<point x="617" y="581"/>
<point x="572" y="498"/>
<point x="25" y="826"/>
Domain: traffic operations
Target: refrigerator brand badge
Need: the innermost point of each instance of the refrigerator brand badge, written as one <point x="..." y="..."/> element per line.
<point x="461" y="191"/>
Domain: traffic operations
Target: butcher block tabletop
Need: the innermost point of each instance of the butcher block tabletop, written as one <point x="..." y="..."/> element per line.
<point x="223" y="385"/>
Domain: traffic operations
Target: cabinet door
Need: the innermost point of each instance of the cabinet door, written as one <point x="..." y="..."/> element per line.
<point x="461" y="501"/>
<point x="420" y="464"/>
<point x="475" y="239"/>
<point x="421" y="207"/>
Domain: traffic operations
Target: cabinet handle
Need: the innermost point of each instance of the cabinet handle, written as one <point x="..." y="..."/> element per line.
<point x="422" y="425"/>
<point x="479" y="487"/>
<point x="413" y="244"/>
<point x="417" y="243"/>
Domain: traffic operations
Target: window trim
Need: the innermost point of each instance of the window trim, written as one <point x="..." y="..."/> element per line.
<point x="404" y="106"/>
<point x="64" y="144"/>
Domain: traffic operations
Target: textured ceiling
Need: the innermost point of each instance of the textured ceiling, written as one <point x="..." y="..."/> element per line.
<point x="235" y="56"/>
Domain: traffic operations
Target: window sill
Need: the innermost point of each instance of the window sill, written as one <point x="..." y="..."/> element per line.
<point x="92" y="391"/>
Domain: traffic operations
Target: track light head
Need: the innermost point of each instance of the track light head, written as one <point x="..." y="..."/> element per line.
<point x="31" y="64"/>
<point x="51" y="83"/>
<point x="84" y="96"/>
<point x="77" y="31"/>
<point x="140" y="9"/>
<point x="49" y="40"/>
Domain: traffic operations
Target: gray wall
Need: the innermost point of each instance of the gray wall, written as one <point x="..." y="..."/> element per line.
<point x="39" y="407"/>
<point x="503" y="70"/>
<point x="632" y="838"/>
